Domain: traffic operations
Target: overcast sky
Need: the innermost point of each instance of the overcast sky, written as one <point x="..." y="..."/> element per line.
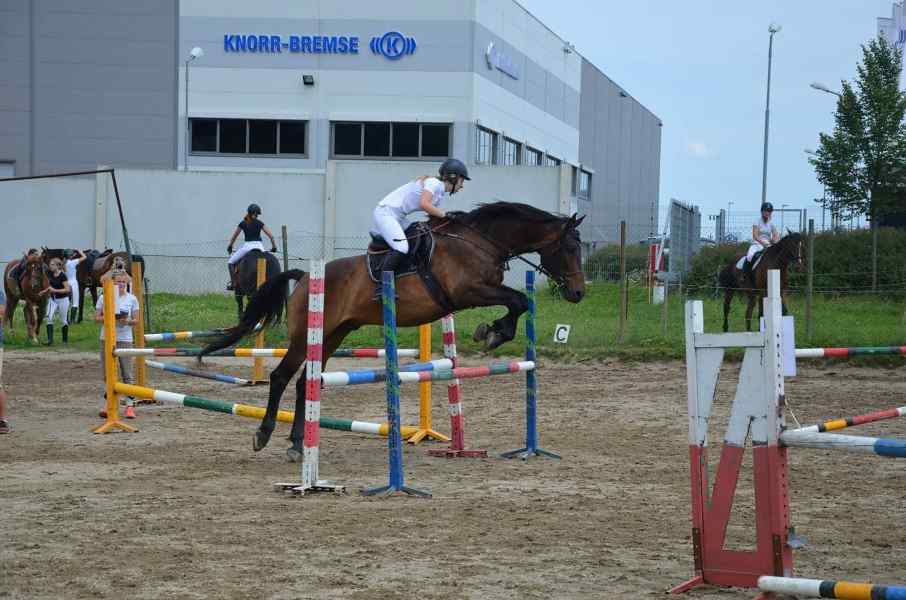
<point x="701" y="66"/>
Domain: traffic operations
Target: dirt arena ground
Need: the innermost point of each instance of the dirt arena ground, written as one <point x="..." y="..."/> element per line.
<point x="185" y="509"/>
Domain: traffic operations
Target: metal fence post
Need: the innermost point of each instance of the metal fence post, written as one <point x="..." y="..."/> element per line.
<point x="623" y="304"/>
<point x="810" y="280"/>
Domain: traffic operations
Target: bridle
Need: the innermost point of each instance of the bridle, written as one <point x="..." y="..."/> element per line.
<point x="509" y="254"/>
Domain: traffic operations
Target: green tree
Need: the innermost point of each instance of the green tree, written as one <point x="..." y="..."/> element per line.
<point x="863" y="162"/>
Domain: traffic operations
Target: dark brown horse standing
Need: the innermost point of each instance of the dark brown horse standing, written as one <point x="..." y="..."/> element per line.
<point x="469" y="260"/>
<point x="787" y="251"/>
<point x="32" y="281"/>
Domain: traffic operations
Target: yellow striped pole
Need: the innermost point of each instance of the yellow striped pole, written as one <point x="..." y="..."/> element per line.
<point x="424" y="393"/>
<point x="111" y="371"/>
<point x="138" y="290"/>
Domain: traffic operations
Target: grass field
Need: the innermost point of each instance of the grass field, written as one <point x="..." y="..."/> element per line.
<point x="846" y="321"/>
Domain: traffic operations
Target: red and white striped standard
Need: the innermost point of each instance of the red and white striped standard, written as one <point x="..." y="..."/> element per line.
<point x="313" y="375"/>
<point x="457" y="426"/>
<point x="457" y="436"/>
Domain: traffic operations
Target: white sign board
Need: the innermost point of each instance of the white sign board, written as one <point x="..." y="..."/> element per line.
<point x="789" y="345"/>
<point x="561" y="333"/>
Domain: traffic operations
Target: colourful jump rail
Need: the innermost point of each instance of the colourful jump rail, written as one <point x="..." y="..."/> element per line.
<point x="837" y="424"/>
<point x="853" y="443"/>
<point x="341" y="378"/>
<point x="843" y="590"/>
<point x="172" y="336"/>
<point x="372" y="353"/>
<point x="411" y="376"/>
<point x="844" y="352"/>
<point x="195" y="373"/>
<point x="235" y="352"/>
<point x="245" y="410"/>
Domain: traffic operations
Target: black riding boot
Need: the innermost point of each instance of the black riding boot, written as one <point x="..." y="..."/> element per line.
<point x="394" y="259"/>
<point x="747" y="272"/>
<point x="49" y="336"/>
<point x="230" y="285"/>
<point x="65" y="334"/>
<point x="73" y="313"/>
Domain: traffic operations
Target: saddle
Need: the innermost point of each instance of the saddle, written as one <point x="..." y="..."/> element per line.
<point x="417" y="261"/>
<point x="756" y="258"/>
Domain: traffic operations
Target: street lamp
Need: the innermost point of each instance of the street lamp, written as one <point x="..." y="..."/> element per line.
<point x="196" y="52"/>
<point x="772" y="29"/>
<point x="823" y="88"/>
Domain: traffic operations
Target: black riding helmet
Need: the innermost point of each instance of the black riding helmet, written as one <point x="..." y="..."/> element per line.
<point x="454" y="166"/>
<point x="767" y="206"/>
<point x="253" y="209"/>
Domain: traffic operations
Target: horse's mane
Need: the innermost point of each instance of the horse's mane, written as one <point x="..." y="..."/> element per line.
<point x="783" y="243"/>
<point x="496" y="211"/>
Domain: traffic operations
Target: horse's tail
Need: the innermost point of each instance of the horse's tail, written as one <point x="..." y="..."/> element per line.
<point x="265" y="306"/>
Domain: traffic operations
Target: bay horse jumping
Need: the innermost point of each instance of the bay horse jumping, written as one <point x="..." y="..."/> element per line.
<point x="754" y="283"/>
<point x="31" y="282"/>
<point x="470" y="256"/>
<point x="247" y="274"/>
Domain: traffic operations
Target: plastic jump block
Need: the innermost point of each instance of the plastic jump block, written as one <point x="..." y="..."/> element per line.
<point x="252" y="412"/>
<point x="844" y="352"/>
<point x="817" y="588"/>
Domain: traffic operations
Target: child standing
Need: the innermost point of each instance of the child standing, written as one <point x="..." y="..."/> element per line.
<point x="126" y="316"/>
<point x="58" y="302"/>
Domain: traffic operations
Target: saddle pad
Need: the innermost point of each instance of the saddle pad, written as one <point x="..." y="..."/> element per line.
<point x="421" y="250"/>
<point x="756" y="259"/>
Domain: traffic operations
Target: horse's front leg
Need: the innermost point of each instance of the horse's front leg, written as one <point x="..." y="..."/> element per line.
<point x="503" y="329"/>
<point x="753" y="299"/>
<point x="728" y="299"/>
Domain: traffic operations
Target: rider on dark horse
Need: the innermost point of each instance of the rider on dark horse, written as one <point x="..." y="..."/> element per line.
<point x="423" y="193"/>
<point x="764" y="235"/>
<point x="252" y="228"/>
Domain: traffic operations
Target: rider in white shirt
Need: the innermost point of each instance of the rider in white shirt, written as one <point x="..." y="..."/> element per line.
<point x="764" y="234"/>
<point x="425" y="194"/>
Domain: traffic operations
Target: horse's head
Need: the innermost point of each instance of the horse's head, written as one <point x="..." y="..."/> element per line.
<point x="562" y="260"/>
<point x="33" y="276"/>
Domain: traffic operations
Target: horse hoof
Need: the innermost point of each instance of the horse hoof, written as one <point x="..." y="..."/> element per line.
<point x="481" y="333"/>
<point x="293" y="455"/>
<point x="260" y="441"/>
<point x="494" y="340"/>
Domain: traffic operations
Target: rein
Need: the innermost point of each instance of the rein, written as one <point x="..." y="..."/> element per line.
<point x="508" y="253"/>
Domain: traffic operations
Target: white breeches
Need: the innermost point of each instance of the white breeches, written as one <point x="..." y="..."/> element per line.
<point x="74" y="284"/>
<point x="60" y="305"/>
<point x="755" y="247"/>
<point x="388" y="225"/>
<point x="244" y="249"/>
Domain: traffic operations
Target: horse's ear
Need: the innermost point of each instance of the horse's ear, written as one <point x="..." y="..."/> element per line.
<point x="579" y="220"/>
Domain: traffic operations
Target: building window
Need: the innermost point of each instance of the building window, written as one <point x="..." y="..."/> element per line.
<point x="584" y="184"/>
<point x="574" y="180"/>
<point x="258" y="137"/>
<point x="532" y="157"/>
<point x="486" y="149"/>
<point x="551" y="161"/>
<point x="512" y="152"/>
<point x="390" y="140"/>
<point x="436" y="140"/>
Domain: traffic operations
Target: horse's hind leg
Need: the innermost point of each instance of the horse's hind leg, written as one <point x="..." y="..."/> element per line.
<point x="239" y="304"/>
<point x="279" y="379"/>
<point x="10" y="311"/>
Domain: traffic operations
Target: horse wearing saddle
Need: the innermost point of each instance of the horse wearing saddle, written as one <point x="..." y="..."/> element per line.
<point x="416" y="262"/>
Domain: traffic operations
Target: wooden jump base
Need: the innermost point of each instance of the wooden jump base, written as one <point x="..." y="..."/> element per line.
<point x="245" y="410"/>
<point x="845" y="352"/>
<point x="758" y="412"/>
<point x="843" y="590"/>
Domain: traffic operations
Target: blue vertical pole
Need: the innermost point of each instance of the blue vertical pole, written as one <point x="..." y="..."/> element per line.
<point x="394" y="437"/>
<point x="531" y="384"/>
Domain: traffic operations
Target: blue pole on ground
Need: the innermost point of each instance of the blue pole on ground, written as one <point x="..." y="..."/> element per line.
<point x="531" y="385"/>
<point x="394" y="437"/>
